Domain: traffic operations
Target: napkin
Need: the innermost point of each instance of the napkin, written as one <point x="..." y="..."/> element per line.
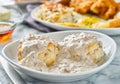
<point x="31" y="22"/>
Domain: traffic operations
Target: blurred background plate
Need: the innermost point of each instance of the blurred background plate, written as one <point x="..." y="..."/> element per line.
<point x="22" y="2"/>
<point x="109" y="31"/>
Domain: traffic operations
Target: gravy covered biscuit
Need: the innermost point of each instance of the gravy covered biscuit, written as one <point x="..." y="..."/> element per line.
<point x="44" y="48"/>
<point x="83" y="46"/>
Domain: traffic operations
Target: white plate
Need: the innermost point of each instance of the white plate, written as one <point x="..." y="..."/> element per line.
<point x="109" y="45"/>
<point x="109" y="31"/>
<point x="28" y="2"/>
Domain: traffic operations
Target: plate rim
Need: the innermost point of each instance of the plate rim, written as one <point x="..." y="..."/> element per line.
<point x="27" y="2"/>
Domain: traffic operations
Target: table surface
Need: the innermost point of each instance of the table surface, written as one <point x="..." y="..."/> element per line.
<point x="109" y="75"/>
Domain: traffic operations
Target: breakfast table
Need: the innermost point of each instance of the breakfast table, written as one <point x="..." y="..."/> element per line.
<point x="109" y="75"/>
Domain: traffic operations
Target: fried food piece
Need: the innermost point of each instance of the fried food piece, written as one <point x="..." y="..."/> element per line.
<point x="118" y="6"/>
<point x="104" y="8"/>
<point x="64" y="2"/>
<point x="81" y="6"/>
<point x="50" y="4"/>
<point x="114" y="22"/>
